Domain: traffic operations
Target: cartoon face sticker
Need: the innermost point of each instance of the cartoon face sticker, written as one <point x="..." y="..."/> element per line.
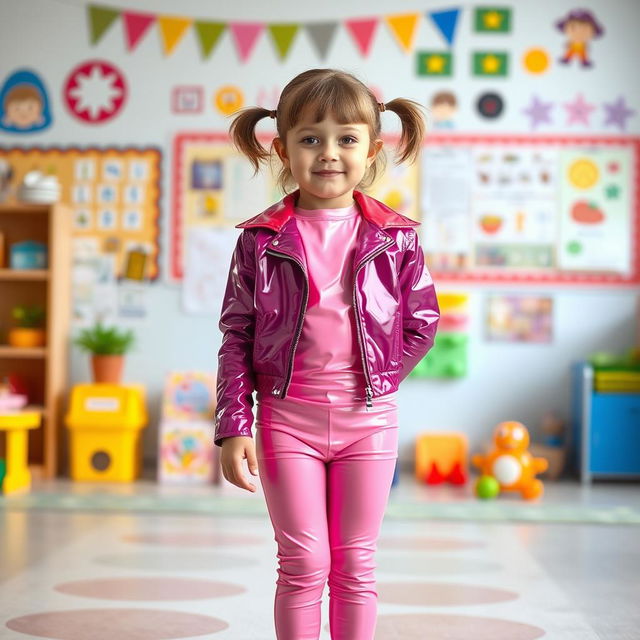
<point x="24" y="105"/>
<point x="580" y="27"/>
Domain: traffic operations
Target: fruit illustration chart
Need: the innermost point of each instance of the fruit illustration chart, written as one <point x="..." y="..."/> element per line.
<point x="560" y="210"/>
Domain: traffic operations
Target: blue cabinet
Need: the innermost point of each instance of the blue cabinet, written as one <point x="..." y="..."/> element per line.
<point x="605" y="429"/>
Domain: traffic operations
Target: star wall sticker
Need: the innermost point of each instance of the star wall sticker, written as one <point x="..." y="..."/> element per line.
<point x="578" y="111"/>
<point x="538" y="111"/>
<point x="617" y="113"/>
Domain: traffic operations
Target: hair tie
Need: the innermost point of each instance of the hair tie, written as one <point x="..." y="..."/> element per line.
<point x="272" y="114"/>
<point x="382" y="106"/>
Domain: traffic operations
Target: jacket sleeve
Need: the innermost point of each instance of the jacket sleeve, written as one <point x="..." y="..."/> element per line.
<point x="235" y="381"/>
<point x="420" y="310"/>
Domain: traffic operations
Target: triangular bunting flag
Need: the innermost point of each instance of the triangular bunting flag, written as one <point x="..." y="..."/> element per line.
<point x="135" y="26"/>
<point x="172" y="28"/>
<point x="321" y="34"/>
<point x="100" y="19"/>
<point x="403" y="27"/>
<point x="446" y="22"/>
<point x="283" y="35"/>
<point x="208" y="34"/>
<point x="245" y="35"/>
<point x="362" y="31"/>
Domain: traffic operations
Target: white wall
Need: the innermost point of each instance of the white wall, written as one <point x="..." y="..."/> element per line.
<point x="506" y="380"/>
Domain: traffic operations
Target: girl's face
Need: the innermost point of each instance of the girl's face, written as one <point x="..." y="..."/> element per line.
<point x="327" y="160"/>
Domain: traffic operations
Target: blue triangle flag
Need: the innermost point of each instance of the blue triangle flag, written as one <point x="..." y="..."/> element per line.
<point x="446" y="21"/>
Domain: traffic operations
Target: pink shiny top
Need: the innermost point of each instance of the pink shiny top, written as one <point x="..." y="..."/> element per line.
<point x="328" y="365"/>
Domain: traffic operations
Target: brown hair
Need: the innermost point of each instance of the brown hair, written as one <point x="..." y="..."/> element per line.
<point x="329" y="91"/>
<point x="22" y="92"/>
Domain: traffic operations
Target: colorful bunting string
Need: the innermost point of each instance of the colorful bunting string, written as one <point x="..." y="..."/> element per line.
<point x="245" y="35"/>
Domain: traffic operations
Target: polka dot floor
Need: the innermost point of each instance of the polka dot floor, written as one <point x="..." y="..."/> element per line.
<point x="109" y="562"/>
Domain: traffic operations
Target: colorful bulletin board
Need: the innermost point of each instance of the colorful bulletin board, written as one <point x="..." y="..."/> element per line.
<point x="114" y="195"/>
<point x="531" y="209"/>
<point x="214" y="186"/>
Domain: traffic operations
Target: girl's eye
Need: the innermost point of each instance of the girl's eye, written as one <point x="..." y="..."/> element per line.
<point x="309" y="139"/>
<point x="349" y="139"/>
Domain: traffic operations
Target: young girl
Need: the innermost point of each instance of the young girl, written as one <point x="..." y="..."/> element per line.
<point x="328" y="307"/>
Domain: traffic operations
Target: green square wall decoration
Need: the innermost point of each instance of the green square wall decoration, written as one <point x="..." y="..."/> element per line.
<point x="492" y="20"/>
<point x="490" y="63"/>
<point x="435" y="63"/>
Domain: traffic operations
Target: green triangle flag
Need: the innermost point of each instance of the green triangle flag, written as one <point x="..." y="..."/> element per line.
<point x="283" y="35"/>
<point x="100" y="19"/>
<point x="209" y="33"/>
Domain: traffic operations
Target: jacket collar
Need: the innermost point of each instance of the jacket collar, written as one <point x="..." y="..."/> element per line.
<point x="373" y="210"/>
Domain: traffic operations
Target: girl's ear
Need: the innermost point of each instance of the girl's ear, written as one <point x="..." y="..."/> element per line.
<point x="374" y="149"/>
<point x="281" y="150"/>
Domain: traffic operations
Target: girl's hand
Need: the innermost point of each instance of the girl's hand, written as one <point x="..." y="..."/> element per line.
<point x="234" y="450"/>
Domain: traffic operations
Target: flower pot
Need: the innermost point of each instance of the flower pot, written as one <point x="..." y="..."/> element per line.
<point x="26" y="337"/>
<point x="107" y="368"/>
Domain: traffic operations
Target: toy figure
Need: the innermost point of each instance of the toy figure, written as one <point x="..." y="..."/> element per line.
<point x="580" y="27"/>
<point x="510" y="463"/>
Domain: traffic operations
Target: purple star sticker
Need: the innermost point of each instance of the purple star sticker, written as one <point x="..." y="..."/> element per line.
<point x="538" y="111"/>
<point x="578" y="110"/>
<point x="617" y="113"/>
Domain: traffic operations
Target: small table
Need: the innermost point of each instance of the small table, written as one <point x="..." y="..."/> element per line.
<point x="17" y="424"/>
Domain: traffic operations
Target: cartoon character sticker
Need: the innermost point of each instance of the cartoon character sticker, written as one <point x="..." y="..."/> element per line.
<point x="24" y="105"/>
<point x="443" y="109"/>
<point x="580" y="27"/>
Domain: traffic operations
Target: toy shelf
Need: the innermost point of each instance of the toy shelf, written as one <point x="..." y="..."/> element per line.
<point x="606" y="429"/>
<point x="43" y="369"/>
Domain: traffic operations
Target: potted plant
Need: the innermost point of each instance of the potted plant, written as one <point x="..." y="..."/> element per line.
<point x="30" y="330"/>
<point x="107" y="346"/>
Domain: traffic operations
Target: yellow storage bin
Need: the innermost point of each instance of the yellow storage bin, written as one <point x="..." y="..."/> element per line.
<point x="105" y="423"/>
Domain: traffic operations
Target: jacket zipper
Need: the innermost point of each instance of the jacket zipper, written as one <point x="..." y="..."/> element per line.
<point x="299" y="327"/>
<point x="368" y="389"/>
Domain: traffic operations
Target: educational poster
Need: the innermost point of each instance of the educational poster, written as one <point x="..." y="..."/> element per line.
<point x="114" y="195"/>
<point x="595" y="205"/>
<point x="542" y="209"/>
<point x="514" y="318"/>
<point x="206" y="265"/>
<point x="513" y="207"/>
<point x="213" y="187"/>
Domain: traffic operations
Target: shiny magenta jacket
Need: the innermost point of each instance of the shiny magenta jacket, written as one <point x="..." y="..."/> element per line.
<point x="266" y="296"/>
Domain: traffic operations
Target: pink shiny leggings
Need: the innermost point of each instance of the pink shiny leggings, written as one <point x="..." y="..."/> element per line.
<point x="326" y="472"/>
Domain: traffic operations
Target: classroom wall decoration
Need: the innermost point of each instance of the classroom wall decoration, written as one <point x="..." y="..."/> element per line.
<point x="114" y="194"/>
<point x="24" y="103"/>
<point x="245" y="34"/>
<point x="517" y="318"/>
<point x="534" y="209"/>
<point x="95" y="91"/>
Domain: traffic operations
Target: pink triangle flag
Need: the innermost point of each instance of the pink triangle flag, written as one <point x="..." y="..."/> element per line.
<point x="362" y="31"/>
<point x="135" y="26"/>
<point x="245" y="35"/>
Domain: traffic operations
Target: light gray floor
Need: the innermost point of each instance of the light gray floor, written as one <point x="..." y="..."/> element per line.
<point x="591" y="572"/>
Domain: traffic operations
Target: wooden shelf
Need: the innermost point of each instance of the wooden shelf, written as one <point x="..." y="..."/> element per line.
<point x="7" y="351"/>
<point x="24" y="274"/>
<point x="15" y="206"/>
<point x="44" y="369"/>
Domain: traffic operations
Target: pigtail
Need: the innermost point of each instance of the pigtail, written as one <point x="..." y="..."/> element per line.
<point x="413" y="127"/>
<point x="243" y="134"/>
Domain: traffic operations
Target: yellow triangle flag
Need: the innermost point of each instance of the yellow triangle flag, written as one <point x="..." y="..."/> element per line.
<point x="172" y="28"/>
<point x="403" y="27"/>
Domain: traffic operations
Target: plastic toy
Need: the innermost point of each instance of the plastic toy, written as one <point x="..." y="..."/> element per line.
<point x="487" y="487"/>
<point x="510" y="462"/>
<point x="441" y="457"/>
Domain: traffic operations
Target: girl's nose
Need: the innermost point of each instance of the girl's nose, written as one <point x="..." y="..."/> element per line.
<point x="328" y="152"/>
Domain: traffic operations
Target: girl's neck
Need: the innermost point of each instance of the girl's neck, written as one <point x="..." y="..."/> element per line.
<point x="306" y="201"/>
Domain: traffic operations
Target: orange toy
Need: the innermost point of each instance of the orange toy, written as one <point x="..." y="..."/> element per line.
<point x="510" y="463"/>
